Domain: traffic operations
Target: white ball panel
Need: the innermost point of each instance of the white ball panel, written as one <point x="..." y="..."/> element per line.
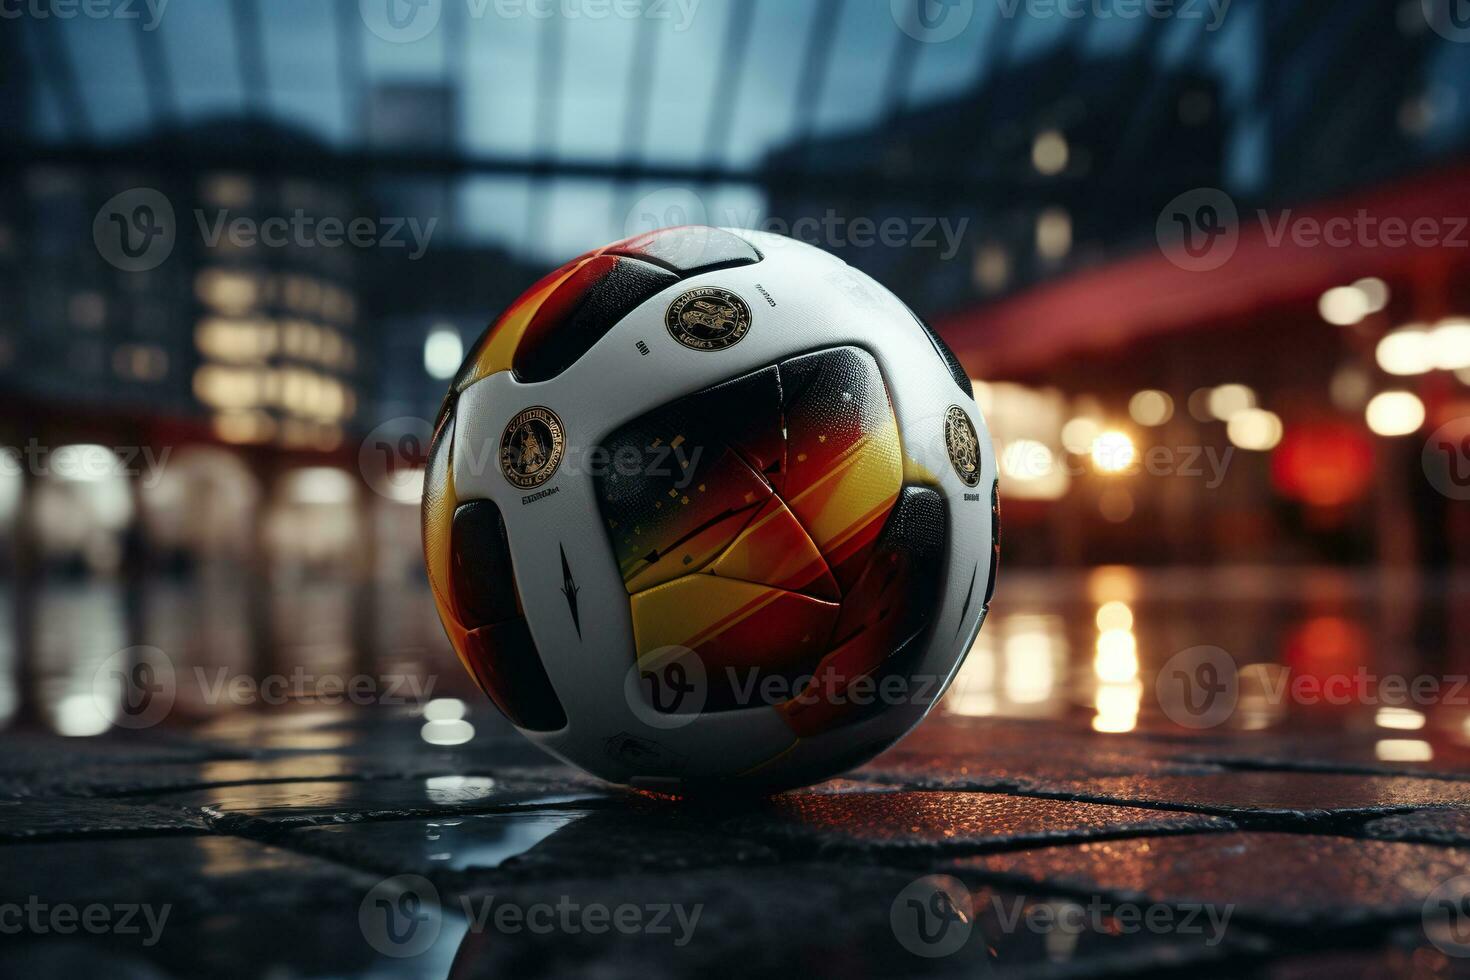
<point x="819" y="302"/>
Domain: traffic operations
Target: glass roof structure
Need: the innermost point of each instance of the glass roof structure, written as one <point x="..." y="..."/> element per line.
<point x="556" y="114"/>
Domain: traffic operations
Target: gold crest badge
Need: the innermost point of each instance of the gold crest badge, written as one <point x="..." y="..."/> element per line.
<point x="708" y="319"/>
<point x="963" y="445"/>
<point x="531" y="447"/>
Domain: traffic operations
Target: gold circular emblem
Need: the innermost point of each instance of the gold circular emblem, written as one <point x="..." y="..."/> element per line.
<point x="531" y="447"/>
<point x="708" y="319"/>
<point x="963" y="445"/>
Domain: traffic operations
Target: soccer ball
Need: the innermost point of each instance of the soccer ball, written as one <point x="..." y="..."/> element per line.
<point x="711" y="509"/>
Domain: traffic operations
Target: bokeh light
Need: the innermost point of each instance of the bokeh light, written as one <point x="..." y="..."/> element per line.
<point x="1395" y="413"/>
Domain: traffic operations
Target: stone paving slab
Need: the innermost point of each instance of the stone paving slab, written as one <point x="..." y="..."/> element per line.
<point x="199" y="875"/>
<point x="185" y="906"/>
<point x="1294" y="794"/>
<point x="285" y="767"/>
<point x="950" y="821"/>
<point x="823" y="920"/>
<point x="626" y="837"/>
<point x="1294" y="880"/>
<point x="1030" y="770"/>
<point x="52" y="819"/>
<point x="38" y="759"/>
<point x="1431" y="826"/>
<point x="265" y="807"/>
<point x="270" y="831"/>
<point x="1285" y="794"/>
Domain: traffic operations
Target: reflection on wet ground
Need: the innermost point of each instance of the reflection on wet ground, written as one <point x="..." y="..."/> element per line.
<point x="1309" y="649"/>
<point x="1217" y="773"/>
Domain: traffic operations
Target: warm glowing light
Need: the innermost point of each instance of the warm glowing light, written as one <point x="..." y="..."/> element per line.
<point x="80" y="715"/>
<point x="1031" y="473"/>
<point x="407" y="486"/>
<point x="319" y="485"/>
<point x="1395" y="413"/>
<point x="1113" y="452"/>
<point x="1403" y="750"/>
<point x="447" y="732"/>
<point x="1151" y="408"/>
<point x="1117" y="657"/>
<point x="1226" y="400"/>
<point x="244" y="427"/>
<point x="1326" y="464"/>
<point x="1053" y="233"/>
<point x="973" y="692"/>
<point x="1078" y="435"/>
<point x="443" y="352"/>
<point x="1257" y="709"/>
<point x="992" y="267"/>
<point x="1117" y="707"/>
<point x="1255" y="429"/>
<point x="1113" y="583"/>
<point x="1049" y="153"/>
<point x="1449" y="345"/>
<point x="1344" y="306"/>
<point x="1026" y="459"/>
<point x="445" y="709"/>
<point x="1033" y="649"/>
<point x="226" y="290"/>
<point x="1406" y="352"/>
<point x="230" y="387"/>
<point x="1402" y="719"/>
<point x="84" y="463"/>
<point x="1114" y="615"/>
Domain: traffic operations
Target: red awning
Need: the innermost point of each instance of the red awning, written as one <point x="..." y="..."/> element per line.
<point x="1147" y="294"/>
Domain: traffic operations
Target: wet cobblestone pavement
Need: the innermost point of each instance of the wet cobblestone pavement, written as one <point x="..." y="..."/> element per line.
<point x="1076" y="854"/>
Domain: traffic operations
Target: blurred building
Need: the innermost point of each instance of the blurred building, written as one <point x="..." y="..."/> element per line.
<point x="252" y="343"/>
<point x="1027" y="168"/>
